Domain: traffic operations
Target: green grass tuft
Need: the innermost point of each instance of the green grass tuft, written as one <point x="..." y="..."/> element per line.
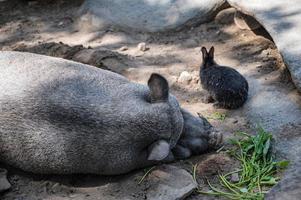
<point x="258" y="170"/>
<point x="217" y="116"/>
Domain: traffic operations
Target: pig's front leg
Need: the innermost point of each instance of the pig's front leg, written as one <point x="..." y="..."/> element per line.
<point x="198" y="136"/>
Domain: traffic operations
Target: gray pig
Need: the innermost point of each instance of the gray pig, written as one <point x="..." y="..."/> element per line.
<point x="62" y="117"/>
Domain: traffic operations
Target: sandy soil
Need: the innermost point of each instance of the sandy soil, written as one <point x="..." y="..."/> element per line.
<point x="51" y="29"/>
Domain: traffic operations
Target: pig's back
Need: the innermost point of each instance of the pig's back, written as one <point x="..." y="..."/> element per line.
<point x="52" y="109"/>
<point x="21" y="73"/>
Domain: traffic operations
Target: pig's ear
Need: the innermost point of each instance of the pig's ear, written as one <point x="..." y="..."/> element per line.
<point x="158" y="86"/>
<point x="158" y="150"/>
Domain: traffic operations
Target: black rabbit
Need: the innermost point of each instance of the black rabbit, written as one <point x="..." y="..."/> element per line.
<point x="224" y="85"/>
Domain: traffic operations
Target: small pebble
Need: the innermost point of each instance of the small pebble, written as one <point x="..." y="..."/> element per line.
<point x="142" y="46"/>
<point x="73" y="195"/>
<point x="235" y="177"/>
<point x="185" y="77"/>
<point x="123" y="48"/>
<point x="55" y="188"/>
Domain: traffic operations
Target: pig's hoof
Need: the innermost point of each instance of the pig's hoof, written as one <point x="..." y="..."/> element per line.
<point x="181" y="152"/>
<point x="190" y="146"/>
<point x="215" y="139"/>
<point x="4" y="184"/>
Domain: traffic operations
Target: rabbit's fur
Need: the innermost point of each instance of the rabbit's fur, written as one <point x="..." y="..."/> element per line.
<point x="223" y="85"/>
<point x="63" y="117"/>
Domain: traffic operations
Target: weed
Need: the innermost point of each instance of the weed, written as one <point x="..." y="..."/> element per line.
<point x="217" y="116"/>
<point x="145" y="174"/>
<point x="258" y="170"/>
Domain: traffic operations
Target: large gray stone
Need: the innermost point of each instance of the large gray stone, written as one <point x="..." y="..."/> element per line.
<point x="279" y="112"/>
<point x="287" y="145"/>
<point x="225" y="16"/>
<point x="289" y="188"/>
<point x="165" y="182"/>
<point x="148" y="15"/>
<point x="282" y="19"/>
<point x="170" y="183"/>
<point x="244" y="21"/>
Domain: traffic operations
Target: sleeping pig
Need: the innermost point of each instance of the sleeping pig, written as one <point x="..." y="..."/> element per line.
<point x="63" y="117"/>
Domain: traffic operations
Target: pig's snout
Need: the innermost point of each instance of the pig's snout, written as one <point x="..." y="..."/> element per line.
<point x="215" y="139"/>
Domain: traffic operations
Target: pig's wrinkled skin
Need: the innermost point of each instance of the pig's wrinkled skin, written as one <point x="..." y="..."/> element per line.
<point x="62" y="117"/>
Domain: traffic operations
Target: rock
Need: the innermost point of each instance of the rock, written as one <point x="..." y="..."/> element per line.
<point x="225" y="16"/>
<point x="213" y="164"/>
<point x="85" y="56"/>
<point x="164" y="182"/>
<point x="185" y="78"/>
<point x="123" y="48"/>
<point x="52" y="49"/>
<point x="73" y="195"/>
<point x="142" y="46"/>
<point x="102" y="58"/>
<point x="287" y="146"/>
<point x="169" y="182"/>
<point x="244" y="21"/>
<point x="195" y="77"/>
<point x="4" y="184"/>
<point x="235" y="177"/>
<point x="289" y="188"/>
<point x="56" y="188"/>
<point x="282" y="20"/>
<point x="148" y="15"/>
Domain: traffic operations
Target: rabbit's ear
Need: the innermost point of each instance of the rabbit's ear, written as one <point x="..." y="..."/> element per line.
<point x="205" y="53"/>
<point x="211" y="52"/>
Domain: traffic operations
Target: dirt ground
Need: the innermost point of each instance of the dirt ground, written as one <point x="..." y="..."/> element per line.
<point x="50" y="28"/>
